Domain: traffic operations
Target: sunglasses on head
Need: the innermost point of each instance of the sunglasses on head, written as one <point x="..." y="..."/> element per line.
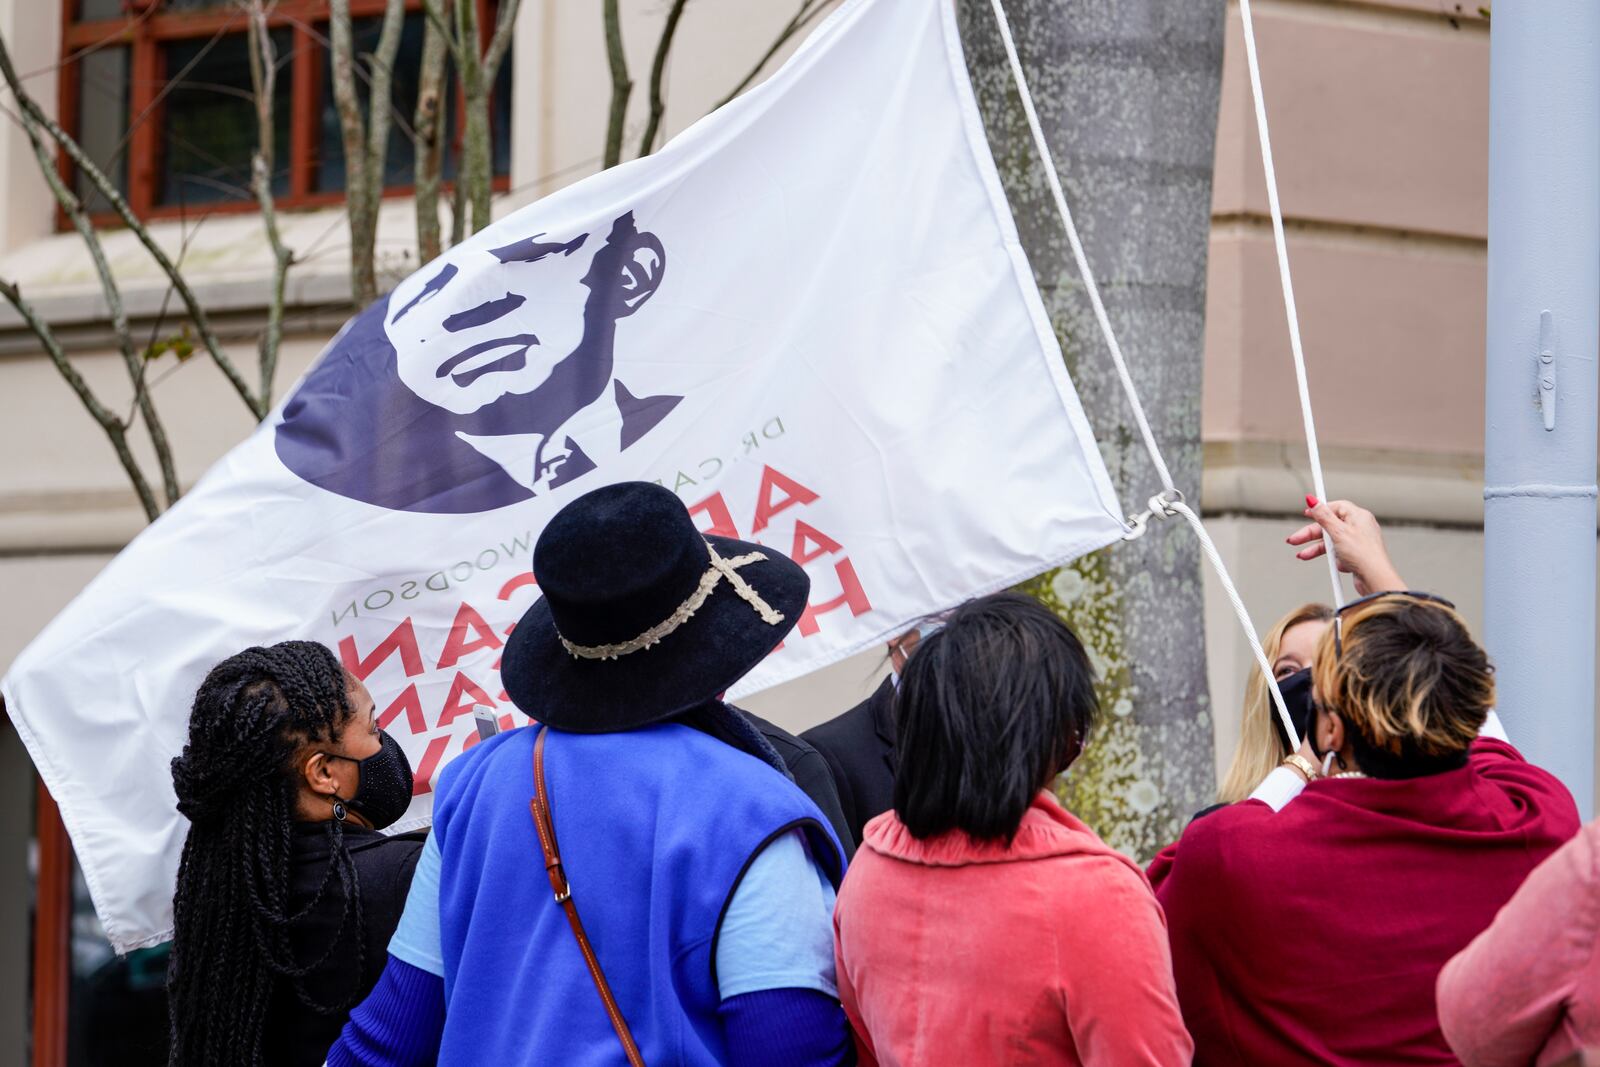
<point x="1338" y="616"/>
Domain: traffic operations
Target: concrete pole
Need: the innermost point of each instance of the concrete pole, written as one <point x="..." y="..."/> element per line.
<point x="1543" y="317"/>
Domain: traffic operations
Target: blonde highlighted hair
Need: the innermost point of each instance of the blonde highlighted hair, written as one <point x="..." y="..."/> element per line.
<point x="1411" y="685"/>
<point x="1260" y="747"/>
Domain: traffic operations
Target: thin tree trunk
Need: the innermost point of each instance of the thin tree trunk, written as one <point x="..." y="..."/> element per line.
<point x="658" y="72"/>
<point x="482" y="137"/>
<point x="263" y="77"/>
<point x="1128" y="92"/>
<point x="621" y="84"/>
<point x="476" y="68"/>
<point x="380" y="107"/>
<point x="474" y="165"/>
<point x="429" y="127"/>
<point x="353" y="134"/>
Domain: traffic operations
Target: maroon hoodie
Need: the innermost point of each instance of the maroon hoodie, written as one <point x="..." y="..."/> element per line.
<point x="1314" y="935"/>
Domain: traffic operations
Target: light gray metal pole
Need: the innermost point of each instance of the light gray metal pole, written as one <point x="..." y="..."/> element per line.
<point x="1543" y="317"/>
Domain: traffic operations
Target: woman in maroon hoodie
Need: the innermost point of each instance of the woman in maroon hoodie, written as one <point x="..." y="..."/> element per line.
<point x="1309" y="922"/>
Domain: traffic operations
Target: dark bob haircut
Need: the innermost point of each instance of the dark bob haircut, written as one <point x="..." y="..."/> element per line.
<point x="989" y="709"/>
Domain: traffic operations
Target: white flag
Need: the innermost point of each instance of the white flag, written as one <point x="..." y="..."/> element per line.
<point x="808" y="315"/>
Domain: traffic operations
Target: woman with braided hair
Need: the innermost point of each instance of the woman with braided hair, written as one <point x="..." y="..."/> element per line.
<point x="287" y="893"/>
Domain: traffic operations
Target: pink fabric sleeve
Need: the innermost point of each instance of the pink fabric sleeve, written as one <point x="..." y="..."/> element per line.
<point x="1116" y="977"/>
<point x="1504" y="997"/>
<point x="866" y="1056"/>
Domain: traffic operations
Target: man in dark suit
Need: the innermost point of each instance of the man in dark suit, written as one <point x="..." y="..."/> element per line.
<point x="859" y="745"/>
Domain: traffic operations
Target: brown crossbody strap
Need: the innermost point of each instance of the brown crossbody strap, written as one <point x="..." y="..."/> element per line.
<point x="544" y="822"/>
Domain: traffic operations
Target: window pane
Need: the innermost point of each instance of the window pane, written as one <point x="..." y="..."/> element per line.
<point x="209" y="124"/>
<point x="400" y="165"/>
<point x="100" y="9"/>
<point x="398" y="160"/>
<point x="118" y="1013"/>
<point x="102" y="120"/>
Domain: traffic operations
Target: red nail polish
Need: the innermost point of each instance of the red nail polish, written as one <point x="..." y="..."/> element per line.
<point x="1311" y="501"/>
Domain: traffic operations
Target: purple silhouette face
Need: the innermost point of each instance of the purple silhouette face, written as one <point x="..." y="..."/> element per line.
<point x="465" y="338"/>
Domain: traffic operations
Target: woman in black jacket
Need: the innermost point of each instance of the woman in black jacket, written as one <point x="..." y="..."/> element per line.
<point x="287" y="893"/>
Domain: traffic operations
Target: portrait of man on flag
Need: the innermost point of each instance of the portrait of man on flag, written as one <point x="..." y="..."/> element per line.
<point x="483" y="379"/>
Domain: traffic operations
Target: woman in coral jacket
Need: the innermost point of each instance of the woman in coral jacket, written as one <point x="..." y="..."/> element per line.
<point x="981" y="923"/>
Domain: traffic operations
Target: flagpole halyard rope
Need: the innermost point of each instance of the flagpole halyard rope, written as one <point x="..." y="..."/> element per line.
<point x="1170" y="501"/>
<point x="1290" y="311"/>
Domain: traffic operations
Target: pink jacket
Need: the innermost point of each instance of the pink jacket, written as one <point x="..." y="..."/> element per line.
<point x="1527" y="990"/>
<point x="1052" y="951"/>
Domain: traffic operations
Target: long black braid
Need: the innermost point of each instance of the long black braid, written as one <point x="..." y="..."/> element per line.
<point x="235" y="783"/>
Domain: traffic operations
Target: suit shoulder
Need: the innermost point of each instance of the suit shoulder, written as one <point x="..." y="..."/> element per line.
<point x="844" y="729"/>
<point x="787" y="745"/>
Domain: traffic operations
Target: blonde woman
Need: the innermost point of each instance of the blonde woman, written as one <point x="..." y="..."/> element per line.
<point x="1289" y="646"/>
<point x="1361" y="553"/>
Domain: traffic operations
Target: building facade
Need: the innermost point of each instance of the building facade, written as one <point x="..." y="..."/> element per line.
<point x="1379" y="112"/>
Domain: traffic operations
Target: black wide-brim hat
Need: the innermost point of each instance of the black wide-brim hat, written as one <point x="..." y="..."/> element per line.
<point x="642" y="616"/>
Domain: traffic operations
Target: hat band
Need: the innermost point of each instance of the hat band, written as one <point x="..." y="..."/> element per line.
<point x="718" y="570"/>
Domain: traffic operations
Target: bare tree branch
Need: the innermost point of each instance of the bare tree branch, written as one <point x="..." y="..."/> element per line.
<point x="476" y="69"/>
<point x="441" y="16"/>
<point x="115" y="430"/>
<point x="263" y="79"/>
<point x="501" y="41"/>
<point x="621" y="85"/>
<point x="442" y="19"/>
<point x="658" y="69"/>
<point x="474" y="168"/>
<point x="809" y="10"/>
<point x="131" y="358"/>
<point x="428" y="125"/>
<point x="353" y="134"/>
<point x="104" y="186"/>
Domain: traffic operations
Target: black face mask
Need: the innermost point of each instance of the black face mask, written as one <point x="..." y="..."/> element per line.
<point x="383" y="790"/>
<point x="1296" y="690"/>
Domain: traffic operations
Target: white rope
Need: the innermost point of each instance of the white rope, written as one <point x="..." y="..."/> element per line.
<point x="1244" y="616"/>
<point x="1169" y="502"/>
<point x="1290" y="312"/>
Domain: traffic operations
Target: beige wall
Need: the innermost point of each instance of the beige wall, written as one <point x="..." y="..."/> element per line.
<point x="1380" y="131"/>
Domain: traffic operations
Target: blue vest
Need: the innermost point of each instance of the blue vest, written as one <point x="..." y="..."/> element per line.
<point x="656" y="827"/>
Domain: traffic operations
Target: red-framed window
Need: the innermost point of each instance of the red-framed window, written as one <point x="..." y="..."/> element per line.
<point x="158" y="94"/>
